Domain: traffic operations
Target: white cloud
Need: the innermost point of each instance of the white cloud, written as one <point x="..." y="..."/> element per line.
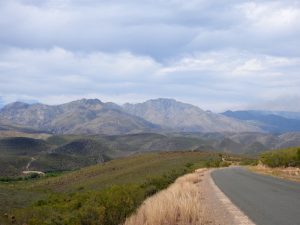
<point x="271" y="16"/>
<point x="214" y="80"/>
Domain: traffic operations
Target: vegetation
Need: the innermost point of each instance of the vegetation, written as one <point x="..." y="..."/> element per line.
<point x="181" y="203"/>
<point x="282" y="158"/>
<point x="249" y="162"/>
<point x="101" y="194"/>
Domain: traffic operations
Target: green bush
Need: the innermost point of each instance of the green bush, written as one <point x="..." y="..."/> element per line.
<point x="213" y="163"/>
<point x="281" y="158"/>
<point x="248" y="162"/>
<point x="109" y="206"/>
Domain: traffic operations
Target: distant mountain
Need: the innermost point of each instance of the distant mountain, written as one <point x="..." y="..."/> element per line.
<point x="86" y="116"/>
<point x="268" y="122"/>
<point x="285" y="114"/>
<point x="178" y="116"/>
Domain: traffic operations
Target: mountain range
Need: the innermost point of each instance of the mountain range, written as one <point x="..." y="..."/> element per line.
<point x="86" y="116"/>
<point x="91" y="116"/>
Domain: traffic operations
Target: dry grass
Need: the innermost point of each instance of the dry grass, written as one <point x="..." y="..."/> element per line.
<point x="290" y="173"/>
<point x="180" y="204"/>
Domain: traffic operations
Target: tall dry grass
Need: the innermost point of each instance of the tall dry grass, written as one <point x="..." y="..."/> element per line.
<point x="180" y="204"/>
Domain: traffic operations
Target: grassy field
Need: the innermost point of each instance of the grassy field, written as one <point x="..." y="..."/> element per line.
<point x="102" y="194"/>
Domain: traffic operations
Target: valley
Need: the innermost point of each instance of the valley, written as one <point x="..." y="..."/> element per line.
<point x="70" y="152"/>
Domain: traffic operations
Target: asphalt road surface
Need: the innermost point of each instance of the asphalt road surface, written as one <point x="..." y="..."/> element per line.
<point x="265" y="200"/>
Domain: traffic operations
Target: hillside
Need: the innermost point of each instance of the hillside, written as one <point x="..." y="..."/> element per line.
<point x="21" y="153"/>
<point x="182" y="117"/>
<point x="147" y="142"/>
<point x="73" y="155"/>
<point x="16" y="153"/>
<point x="107" y="192"/>
<point x="70" y="152"/>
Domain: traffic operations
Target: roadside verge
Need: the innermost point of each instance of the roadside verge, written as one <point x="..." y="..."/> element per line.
<point x="193" y="199"/>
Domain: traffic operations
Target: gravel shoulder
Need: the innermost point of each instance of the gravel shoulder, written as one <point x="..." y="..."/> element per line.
<point x="218" y="207"/>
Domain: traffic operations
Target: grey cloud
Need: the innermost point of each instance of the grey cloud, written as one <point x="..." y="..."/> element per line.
<point x="160" y="29"/>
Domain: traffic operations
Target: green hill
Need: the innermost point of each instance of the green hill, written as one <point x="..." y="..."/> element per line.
<point x="70" y="152"/>
<point x="73" y="155"/>
<point x="100" y="194"/>
<point x="16" y="153"/>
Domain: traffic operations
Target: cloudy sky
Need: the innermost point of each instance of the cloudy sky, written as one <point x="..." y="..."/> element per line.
<point x="217" y="54"/>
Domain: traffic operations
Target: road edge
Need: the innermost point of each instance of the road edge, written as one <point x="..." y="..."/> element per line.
<point x="238" y="215"/>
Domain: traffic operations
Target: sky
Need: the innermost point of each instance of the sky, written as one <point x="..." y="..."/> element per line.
<point x="216" y="54"/>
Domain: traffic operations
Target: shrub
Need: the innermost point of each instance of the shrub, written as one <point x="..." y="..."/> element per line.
<point x="281" y="158"/>
<point x="248" y="162"/>
<point x="213" y="163"/>
<point x="224" y="164"/>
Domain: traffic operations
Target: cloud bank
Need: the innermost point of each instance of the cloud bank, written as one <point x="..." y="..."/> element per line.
<point x="216" y="54"/>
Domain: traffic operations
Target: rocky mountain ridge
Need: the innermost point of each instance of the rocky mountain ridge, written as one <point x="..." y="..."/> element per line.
<point x="85" y="116"/>
<point x="91" y="116"/>
<point x="184" y="117"/>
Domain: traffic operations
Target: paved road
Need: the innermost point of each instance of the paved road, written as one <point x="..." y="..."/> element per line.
<point x="265" y="200"/>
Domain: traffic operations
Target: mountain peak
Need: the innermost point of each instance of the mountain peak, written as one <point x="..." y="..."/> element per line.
<point x="162" y="100"/>
<point x="84" y="102"/>
<point x="16" y="105"/>
<point x="89" y="101"/>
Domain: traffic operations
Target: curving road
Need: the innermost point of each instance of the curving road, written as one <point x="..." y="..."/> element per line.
<point x="265" y="200"/>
